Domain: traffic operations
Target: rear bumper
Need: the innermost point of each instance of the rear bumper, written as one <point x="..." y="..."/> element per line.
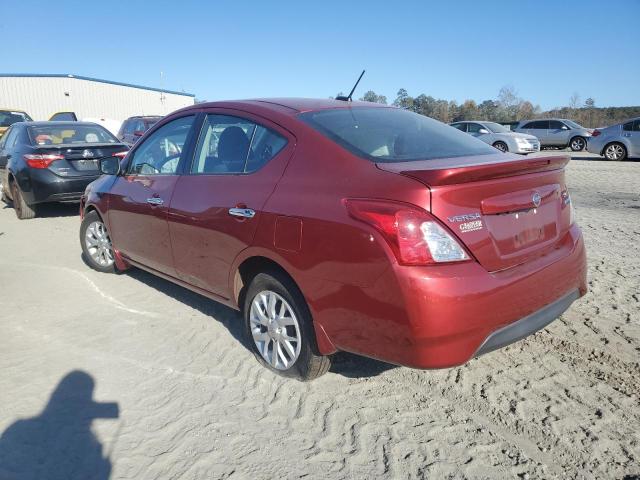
<point x="467" y="311"/>
<point x="443" y="316"/>
<point x="46" y="186"/>
<point x="528" y="325"/>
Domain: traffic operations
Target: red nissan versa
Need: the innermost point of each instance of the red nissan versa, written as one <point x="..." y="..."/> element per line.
<point x="343" y="226"/>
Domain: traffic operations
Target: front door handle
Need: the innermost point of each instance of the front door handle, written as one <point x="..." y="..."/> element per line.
<point x="626" y="134"/>
<point x="155" y="201"/>
<point x="242" y="212"/>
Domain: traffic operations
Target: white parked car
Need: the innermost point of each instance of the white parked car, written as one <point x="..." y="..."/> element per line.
<point x="500" y="136"/>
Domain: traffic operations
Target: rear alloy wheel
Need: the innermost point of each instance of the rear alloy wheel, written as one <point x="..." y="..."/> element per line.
<point x="577" y="144"/>
<point x="279" y="328"/>
<point x="501" y="146"/>
<point x="96" y="244"/>
<point x="24" y="211"/>
<point x="615" y="151"/>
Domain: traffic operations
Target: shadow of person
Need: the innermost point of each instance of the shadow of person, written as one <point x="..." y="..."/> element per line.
<point x="59" y="443"/>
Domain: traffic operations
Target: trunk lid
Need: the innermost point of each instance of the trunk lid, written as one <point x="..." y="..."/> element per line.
<point x="80" y="160"/>
<point x="506" y="212"/>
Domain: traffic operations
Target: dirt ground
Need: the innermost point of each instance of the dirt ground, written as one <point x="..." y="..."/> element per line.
<point x="130" y="377"/>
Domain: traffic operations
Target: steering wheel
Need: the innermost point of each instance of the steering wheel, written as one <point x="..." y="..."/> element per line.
<point x="166" y="161"/>
<point x="144" y="167"/>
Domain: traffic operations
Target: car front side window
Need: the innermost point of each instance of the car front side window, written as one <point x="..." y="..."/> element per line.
<point x="160" y="154"/>
<point x="474" y="127"/>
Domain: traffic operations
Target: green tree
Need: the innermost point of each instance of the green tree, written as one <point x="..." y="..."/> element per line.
<point x="371" y="96"/>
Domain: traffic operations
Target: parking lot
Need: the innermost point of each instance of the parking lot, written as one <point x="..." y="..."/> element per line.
<point x="192" y="402"/>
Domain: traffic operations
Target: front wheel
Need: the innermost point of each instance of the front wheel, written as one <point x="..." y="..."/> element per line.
<point x="615" y="151"/>
<point x="577" y="144"/>
<point x="501" y="146"/>
<point x="96" y="244"/>
<point x="279" y="328"/>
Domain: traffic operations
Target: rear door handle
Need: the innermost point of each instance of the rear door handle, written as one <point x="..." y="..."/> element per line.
<point x="242" y="212"/>
<point x="155" y="201"/>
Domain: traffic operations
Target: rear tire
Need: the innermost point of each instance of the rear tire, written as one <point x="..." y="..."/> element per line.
<point x="23" y="210"/>
<point x="280" y="334"/>
<point x="96" y="244"/>
<point x="501" y="146"/>
<point x="615" y="151"/>
<point x="577" y="144"/>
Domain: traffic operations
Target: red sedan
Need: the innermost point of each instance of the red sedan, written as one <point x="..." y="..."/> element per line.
<point x="339" y="225"/>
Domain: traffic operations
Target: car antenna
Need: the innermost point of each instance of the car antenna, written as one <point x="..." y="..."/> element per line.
<point x="348" y="98"/>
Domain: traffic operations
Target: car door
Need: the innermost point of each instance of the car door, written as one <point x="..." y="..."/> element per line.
<point x="558" y="133"/>
<point x="139" y="199"/>
<point x="217" y="204"/>
<point x="539" y="129"/>
<point x="634" y="139"/>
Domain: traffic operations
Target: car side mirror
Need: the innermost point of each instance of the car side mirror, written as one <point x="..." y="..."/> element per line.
<point x="138" y="133"/>
<point x="483" y="131"/>
<point x="110" y="166"/>
<point x="564" y="127"/>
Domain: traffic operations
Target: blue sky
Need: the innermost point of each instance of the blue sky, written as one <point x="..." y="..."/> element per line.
<point x="455" y="50"/>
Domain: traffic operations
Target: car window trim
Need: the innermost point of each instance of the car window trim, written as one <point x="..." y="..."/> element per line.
<point x="259" y="121"/>
<point x="187" y="151"/>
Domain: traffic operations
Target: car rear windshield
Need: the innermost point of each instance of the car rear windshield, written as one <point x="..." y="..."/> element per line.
<point x="70" y="134"/>
<point x="496" y="127"/>
<point x="393" y="135"/>
<point x="9" y="118"/>
<point x="573" y="124"/>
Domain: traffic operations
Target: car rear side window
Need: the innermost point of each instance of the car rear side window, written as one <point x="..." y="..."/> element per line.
<point x="234" y="145"/>
<point x="393" y="135"/>
<point x="538" y="125"/>
<point x="628" y="127"/>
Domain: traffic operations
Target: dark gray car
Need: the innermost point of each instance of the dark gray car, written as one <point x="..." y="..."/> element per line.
<point x="556" y="132"/>
<point x="134" y="127"/>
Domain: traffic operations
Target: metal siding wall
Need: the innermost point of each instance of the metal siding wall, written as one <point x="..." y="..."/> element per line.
<point x="41" y="97"/>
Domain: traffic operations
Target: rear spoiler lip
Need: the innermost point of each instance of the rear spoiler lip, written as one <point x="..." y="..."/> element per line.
<point x="435" y="172"/>
<point x="89" y="146"/>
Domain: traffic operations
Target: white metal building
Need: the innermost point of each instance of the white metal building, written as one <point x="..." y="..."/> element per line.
<point x="42" y="95"/>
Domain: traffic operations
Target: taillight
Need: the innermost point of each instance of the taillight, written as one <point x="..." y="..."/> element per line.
<point x="41" y="160"/>
<point x="596" y="133"/>
<point x="120" y="155"/>
<point x="415" y="237"/>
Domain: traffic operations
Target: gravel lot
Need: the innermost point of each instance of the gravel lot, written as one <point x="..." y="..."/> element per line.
<point x="192" y="402"/>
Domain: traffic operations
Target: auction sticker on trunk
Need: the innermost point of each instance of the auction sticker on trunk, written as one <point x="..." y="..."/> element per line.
<point x="471" y="226"/>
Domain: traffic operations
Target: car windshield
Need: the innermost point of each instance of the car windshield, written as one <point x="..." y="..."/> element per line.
<point x="496" y="127"/>
<point x="8" y="118"/>
<point x="393" y="135"/>
<point x="70" y="134"/>
<point x="572" y="124"/>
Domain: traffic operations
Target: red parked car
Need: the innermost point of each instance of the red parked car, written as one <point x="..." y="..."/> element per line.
<point x="343" y="226"/>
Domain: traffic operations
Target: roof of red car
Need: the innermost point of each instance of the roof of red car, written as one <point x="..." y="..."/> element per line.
<point x="296" y="105"/>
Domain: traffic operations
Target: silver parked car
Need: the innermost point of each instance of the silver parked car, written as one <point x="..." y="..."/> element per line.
<point x="618" y="141"/>
<point x="500" y="136"/>
<point x="556" y="132"/>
